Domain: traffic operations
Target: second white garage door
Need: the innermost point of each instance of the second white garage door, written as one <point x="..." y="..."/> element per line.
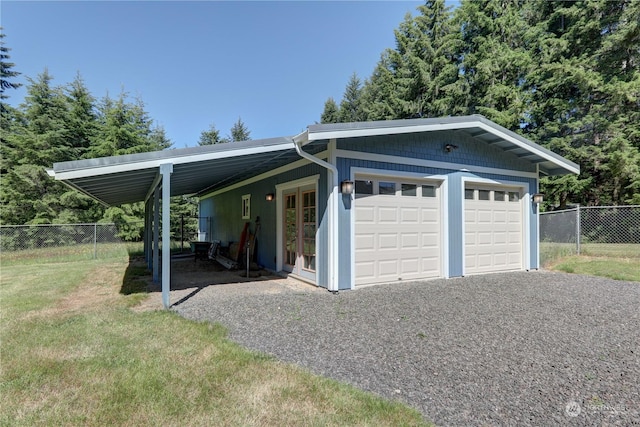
<point x="493" y="229"/>
<point x="397" y="230"/>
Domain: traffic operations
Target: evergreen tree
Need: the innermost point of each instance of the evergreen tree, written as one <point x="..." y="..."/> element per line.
<point x="495" y="60"/>
<point x="239" y="132"/>
<point x="350" y="108"/>
<point x="28" y="194"/>
<point x="210" y="137"/>
<point x="380" y="94"/>
<point x="331" y="112"/>
<point x="125" y="128"/>
<point x="6" y="73"/>
<point x="585" y="98"/>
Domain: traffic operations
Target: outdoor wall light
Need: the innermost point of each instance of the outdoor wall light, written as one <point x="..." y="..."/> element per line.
<point x="269" y="197"/>
<point x="537" y="198"/>
<point x="346" y="187"/>
<point x="450" y="147"/>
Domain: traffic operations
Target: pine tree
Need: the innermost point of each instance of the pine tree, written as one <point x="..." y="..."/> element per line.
<point x="585" y="97"/>
<point x="239" y="132"/>
<point x="495" y="59"/>
<point x="6" y="73"/>
<point x="380" y="95"/>
<point x="125" y="128"/>
<point x="210" y="137"/>
<point x="350" y="108"/>
<point x="331" y="112"/>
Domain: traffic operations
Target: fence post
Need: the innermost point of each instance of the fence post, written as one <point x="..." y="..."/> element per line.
<point x="578" y="230"/>
<point x="95" y="240"/>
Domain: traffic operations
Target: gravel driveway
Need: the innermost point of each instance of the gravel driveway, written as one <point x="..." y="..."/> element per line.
<point x="535" y="348"/>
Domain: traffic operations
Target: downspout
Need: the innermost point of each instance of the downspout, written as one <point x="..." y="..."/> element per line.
<point x="298" y="140"/>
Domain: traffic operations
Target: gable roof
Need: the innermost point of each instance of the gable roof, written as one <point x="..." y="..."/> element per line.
<point x="476" y="126"/>
<point x="199" y="170"/>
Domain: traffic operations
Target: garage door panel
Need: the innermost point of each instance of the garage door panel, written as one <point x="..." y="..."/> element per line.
<point x="410" y="240"/>
<point x="365" y="242"/>
<point x="409" y="266"/>
<point x="366" y="269"/>
<point x="365" y="214"/>
<point x="387" y="215"/>
<point x="388" y="268"/>
<point x="409" y="215"/>
<point x="398" y="234"/>
<point x="388" y="241"/>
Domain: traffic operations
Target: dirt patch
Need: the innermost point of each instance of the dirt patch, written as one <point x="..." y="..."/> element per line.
<point x="189" y="278"/>
<point x="99" y="288"/>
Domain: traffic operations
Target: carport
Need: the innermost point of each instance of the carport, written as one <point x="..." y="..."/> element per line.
<point x="156" y="176"/>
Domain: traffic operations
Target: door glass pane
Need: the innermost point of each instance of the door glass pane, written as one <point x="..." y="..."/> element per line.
<point x="387" y="188"/>
<point x="514" y="196"/>
<point x="364" y="188"/>
<point x="409" y="189"/>
<point x="483" y="194"/>
<point x="468" y="193"/>
<point x="498" y="196"/>
<point x="290" y="230"/>
<point x="309" y="231"/>
<point x="428" y="191"/>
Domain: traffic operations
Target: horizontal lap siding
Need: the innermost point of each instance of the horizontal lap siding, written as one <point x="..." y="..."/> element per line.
<point x="227" y="223"/>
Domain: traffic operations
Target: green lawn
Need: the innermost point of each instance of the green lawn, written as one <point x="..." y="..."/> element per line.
<point x="620" y="261"/>
<point x="612" y="267"/>
<point x="74" y="351"/>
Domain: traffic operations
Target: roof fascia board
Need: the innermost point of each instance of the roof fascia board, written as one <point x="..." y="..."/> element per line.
<point x="532" y="147"/>
<point x="430" y="163"/>
<point x="155" y="163"/>
<point x="355" y="133"/>
<point x="277" y="171"/>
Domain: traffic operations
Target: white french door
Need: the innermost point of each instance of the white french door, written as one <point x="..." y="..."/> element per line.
<point x="299" y="229"/>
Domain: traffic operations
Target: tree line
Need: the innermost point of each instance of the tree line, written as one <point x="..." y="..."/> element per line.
<point x="561" y="73"/>
<point x="57" y="123"/>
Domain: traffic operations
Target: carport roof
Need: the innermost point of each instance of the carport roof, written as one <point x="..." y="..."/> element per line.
<point x="129" y="178"/>
<point x="199" y="170"/>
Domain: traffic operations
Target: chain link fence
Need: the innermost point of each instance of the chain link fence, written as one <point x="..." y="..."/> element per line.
<point x="73" y="242"/>
<point x="595" y="231"/>
<point x="62" y="242"/>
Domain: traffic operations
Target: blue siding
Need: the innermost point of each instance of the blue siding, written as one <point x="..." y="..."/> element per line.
<point x="430" y="146"/>
<point x="226" y="222"/>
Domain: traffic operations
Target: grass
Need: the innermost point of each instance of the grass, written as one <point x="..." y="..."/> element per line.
<point x="619" y="261"/>
<point x="627" y="269"/>
<point x="74" y="352"/>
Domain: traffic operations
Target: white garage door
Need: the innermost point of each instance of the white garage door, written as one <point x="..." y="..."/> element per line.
<point x="493" y="229"/>
<point x="397" y="230"/>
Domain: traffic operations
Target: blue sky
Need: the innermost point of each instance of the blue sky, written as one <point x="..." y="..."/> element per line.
<point x="195" y="63"/>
